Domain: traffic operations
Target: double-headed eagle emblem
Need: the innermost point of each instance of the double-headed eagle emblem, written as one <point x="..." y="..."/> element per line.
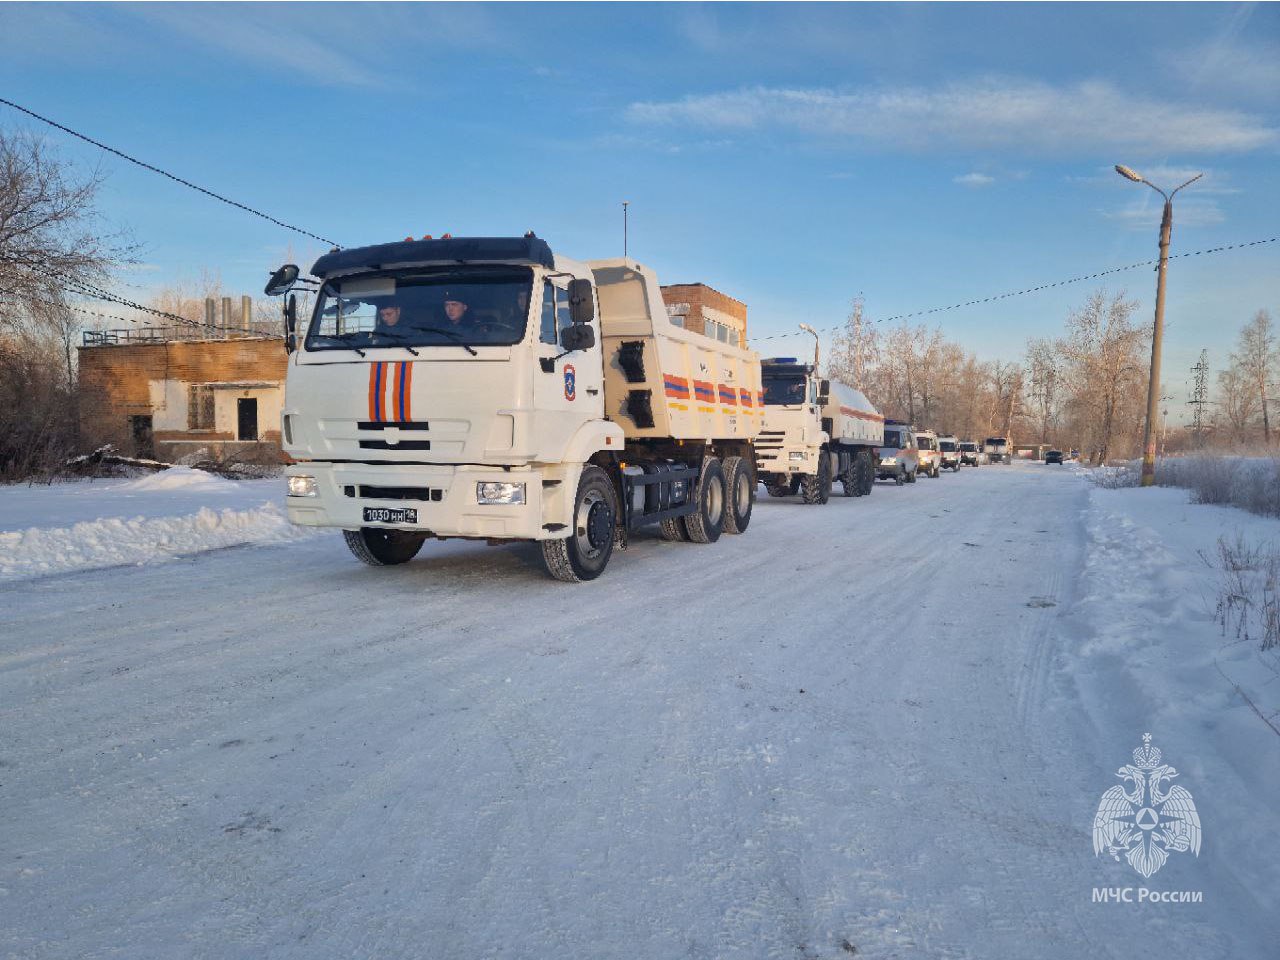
<point x="1146" y="822"/>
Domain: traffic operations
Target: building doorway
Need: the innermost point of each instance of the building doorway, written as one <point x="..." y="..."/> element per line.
<point x="247" y="418"/>
<point x="140" y="430"/>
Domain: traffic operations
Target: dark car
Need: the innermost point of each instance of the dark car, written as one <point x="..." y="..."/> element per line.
<point x="1054" y="456"/>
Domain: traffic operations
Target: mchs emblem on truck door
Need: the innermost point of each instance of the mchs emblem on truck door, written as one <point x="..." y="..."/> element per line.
<point x="570" y="382"/>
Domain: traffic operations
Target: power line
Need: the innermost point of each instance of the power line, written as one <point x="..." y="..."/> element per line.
<point x="1029" y="290"/>
<point x="165" y="173"/>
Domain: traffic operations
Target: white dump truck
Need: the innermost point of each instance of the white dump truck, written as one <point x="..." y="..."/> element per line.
<point x="488" y="389"/>
<point x="815" y="432"/>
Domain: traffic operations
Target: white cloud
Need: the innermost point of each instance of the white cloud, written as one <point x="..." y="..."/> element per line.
<point x="974" y="179"/>
<point x="995" y="114"/>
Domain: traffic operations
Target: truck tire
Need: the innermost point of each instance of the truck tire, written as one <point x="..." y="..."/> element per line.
<point x="851" y="479"/>
<point x="383" y="548"/>
<point x="673" y="529"/>
<point x="816" y="488"/>
<point x="911" y="475"/>
<point x="740" y="483"/>
<point x="585" y="553"/>
<point x="868" y="472"/>
<point x="706" y="523"/>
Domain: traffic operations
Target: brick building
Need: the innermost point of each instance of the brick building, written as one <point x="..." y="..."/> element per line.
<point x="705" y="310"/>
<point x="168" y="398"/>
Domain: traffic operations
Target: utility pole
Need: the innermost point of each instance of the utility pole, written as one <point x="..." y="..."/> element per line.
<point x="1200" y="397"/>
<point x="625" y="204"/>
<point x="1157" y="334"/>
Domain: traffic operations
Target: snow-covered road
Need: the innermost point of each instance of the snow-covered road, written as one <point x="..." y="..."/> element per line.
<point x="879" y="726"/>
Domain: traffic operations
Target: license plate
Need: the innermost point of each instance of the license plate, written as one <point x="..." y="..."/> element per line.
<point x="390" y="515"/>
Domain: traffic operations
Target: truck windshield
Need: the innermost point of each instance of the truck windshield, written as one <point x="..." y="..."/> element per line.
<point x="969" y="447"/>
<point x="893" y="438"/>
<point x="779" y="391"/>
<point x="423" y="308"/>
<point x="947" y="445"/>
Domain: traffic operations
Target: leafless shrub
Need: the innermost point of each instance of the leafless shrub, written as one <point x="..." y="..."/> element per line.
<point x="1250" y="483"/>
<point x="1116" y="476"/>
<point x="1248" y="605"/>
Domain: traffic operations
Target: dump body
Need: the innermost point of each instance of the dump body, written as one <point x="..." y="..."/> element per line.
<point x="662" y="382"/>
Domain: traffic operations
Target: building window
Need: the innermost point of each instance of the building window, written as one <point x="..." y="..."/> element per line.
<point x="718" y="331"/>
<point x="200" y="406"/>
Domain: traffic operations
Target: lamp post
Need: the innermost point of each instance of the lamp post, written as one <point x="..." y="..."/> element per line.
<point x="816" y="343"/>
<point x="1157" y="335"/>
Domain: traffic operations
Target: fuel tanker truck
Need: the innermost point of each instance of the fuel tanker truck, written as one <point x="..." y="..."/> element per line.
<point x="490" y="389"/>
<point x="815" y="432"/>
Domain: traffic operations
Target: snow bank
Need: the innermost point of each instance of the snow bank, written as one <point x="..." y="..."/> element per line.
<point x="178" y="478"/>
<point x="112" y="541"/>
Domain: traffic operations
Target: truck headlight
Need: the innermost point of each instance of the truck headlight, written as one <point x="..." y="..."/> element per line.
<point x="499" y="493"/>
<point x="797" y="455"/>
<point x="889" y="461"/>
<point x="303" y="487"/>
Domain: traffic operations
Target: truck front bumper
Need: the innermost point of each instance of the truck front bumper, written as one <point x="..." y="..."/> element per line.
<point x="443" y="496"/>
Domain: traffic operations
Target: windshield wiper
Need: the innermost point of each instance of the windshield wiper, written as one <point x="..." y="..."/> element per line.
<point x="392" y="335"/>
<point x="338" y="340"/>
<point x="449" y="333"/>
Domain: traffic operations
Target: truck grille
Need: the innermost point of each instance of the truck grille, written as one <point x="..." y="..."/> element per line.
<point x="769" y="441"/>
<point x="369" y="491"/>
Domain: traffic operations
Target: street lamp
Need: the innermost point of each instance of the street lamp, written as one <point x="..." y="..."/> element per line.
<point x="816" y="342"/>
<point x="1157" y="335"/>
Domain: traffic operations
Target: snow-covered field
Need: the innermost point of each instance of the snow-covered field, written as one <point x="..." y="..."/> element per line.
<point x="877" y="728"/>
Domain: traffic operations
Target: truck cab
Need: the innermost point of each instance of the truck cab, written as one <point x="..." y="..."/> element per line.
<point x="815" y="431"/>
<point x="996" y="449"/>
<point x="970" y="455"/>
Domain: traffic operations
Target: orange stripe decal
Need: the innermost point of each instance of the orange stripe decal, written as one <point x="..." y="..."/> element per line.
<point x="407" y="391"/>
<point x="373" y="391"/>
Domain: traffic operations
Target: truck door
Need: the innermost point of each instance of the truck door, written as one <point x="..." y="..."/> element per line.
<point x="575" y="383"/>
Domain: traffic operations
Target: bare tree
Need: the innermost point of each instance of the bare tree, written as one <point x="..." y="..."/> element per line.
<point x="1042" y="370"/>
<point x="1254" y="364"/>
<point x="52" y="251"/>
<point x="1103" y="371"/>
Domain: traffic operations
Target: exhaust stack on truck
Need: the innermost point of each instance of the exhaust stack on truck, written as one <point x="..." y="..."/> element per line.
<point x="486" y="388"/>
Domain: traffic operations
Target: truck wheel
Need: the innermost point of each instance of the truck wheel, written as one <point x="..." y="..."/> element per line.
<point x="816" y="488"/>
<point x="900" y="478"/>
<point x="868" y="472"/>
<point x="673" y="529"/>
<point x="383" y="548"/>
<point x="911" y="475"/>
<point x="585" y="553"/>
<point x="706" y="523"/>
<point x="741" y="486"/>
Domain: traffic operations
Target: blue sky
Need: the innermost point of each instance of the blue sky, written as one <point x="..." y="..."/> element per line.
<point x="791" y="155"/>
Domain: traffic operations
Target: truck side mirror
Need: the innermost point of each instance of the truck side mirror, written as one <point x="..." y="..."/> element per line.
<point x="291" y="324"/>
<point x="282" y="280"/>
<point x="578" y="336"/>
<point x="582" y="306"/>
<point x="824" y="392"/>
